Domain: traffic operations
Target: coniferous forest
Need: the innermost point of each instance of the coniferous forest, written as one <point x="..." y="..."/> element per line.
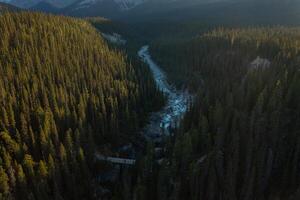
<point x="161" y="102"/>
<point x="240" y="138"/>
<point x="63" y="93"/>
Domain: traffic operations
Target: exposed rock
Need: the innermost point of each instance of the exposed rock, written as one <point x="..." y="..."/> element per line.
<point x="260" y="63"/>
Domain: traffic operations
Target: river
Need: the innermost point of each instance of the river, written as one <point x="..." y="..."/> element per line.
<point x="177" y="100"/>
<point x="158" y="124"/>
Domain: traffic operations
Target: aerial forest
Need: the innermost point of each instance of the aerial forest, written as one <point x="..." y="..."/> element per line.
<point x="240" y="138"/>
<point x="185" y="110"/>
<point x="63" y="94"/>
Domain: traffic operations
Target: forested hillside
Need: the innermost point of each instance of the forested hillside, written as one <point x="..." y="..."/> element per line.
<point x="63" y="92"/>
<point x="81" y="116"/>
<point x="240" y="139"/>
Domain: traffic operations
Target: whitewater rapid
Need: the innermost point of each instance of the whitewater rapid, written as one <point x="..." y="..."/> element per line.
<point x="177" y="100"/>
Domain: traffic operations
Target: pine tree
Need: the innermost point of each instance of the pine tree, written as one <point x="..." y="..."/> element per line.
<point x="4" y="186"/>
<point x="42" y="170"/>
<point x="59" y="102"/>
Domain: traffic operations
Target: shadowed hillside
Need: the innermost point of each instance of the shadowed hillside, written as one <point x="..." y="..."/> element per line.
<point x="240" y="138"/>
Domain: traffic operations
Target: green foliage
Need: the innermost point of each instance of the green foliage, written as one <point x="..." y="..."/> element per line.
<point x="4" y="186"/>
<point x="62" y="90"/>
<point x="187" y="61"/>
<point x="240" y="139"/>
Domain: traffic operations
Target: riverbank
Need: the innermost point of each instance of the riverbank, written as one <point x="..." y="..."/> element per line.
<point x="177" y="101"/>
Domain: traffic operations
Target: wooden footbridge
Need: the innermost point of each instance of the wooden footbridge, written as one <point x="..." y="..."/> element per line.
<point x="115" y="160"/>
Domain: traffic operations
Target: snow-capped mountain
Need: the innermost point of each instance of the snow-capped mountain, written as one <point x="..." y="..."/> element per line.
<point x="104" y="8"/>
<point x="113" y="8"/>
<point x="122" y="4"/>
<point x="128" y="4"/>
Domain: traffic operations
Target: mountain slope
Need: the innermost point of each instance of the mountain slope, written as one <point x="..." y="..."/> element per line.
<point x="240" y="138"/>
<point x="235" y="12"/>
<point x="31" y="3"/>
<point x="223" y="12"/>
<point x="104" y="8"/>
<point x="120" y="8"/>
<point x="63" y="92"/>
<point x="7" y="7"/>
<point x="45" y="7"/>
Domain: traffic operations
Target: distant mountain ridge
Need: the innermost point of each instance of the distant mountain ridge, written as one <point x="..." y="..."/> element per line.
<point x="45" y="7"/>
<point x="31" y="3"/>
<point x="122" y="4"/>
<point x="96" y="7"/>
<point x="122" y="8"/>
<point x="247" y="12"/>
<point x="7" y="7"/>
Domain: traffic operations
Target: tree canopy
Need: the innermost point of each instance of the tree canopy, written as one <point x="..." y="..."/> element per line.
<point x="62" y="90"/>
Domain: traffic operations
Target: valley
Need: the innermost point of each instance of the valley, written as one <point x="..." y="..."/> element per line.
<point x="160" y="125"/>
<point x="149" y="100"/>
